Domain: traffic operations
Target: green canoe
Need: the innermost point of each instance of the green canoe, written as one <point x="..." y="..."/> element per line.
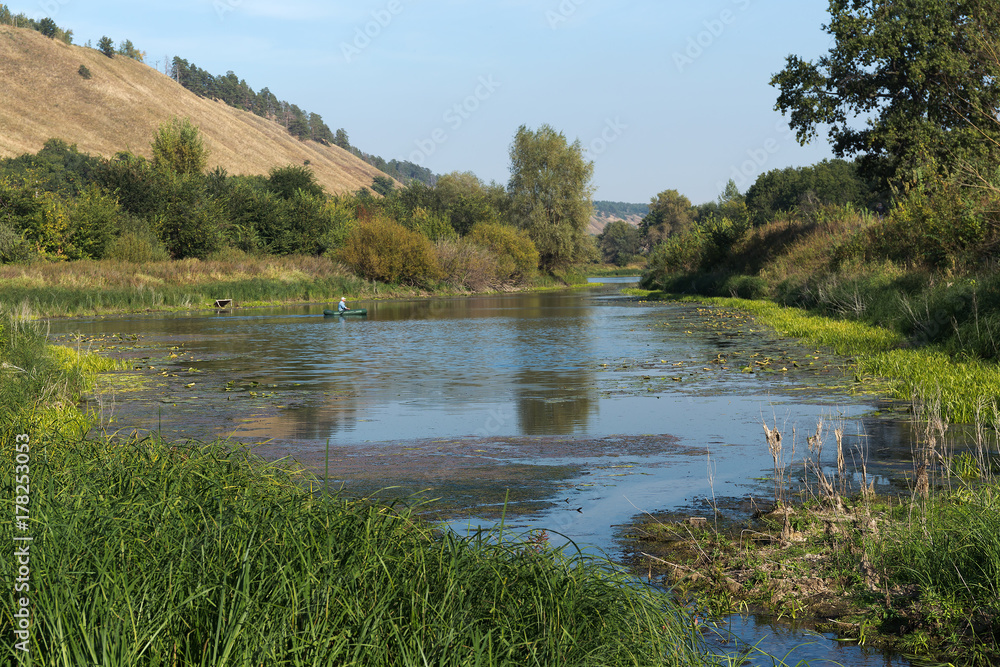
<point x="334" y="313"/>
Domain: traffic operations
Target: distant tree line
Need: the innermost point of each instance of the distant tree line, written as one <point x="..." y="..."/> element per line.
<point x="618" y="209"/>
<point x="60" y="204"/>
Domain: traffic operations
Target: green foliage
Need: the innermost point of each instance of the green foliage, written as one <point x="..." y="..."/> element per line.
<point x="84" y="71"/>
<point x="136" y="184"/>
<point x="178" y="146"/>
<point x="550" y="194"/>
<point x="923" y="75"/>
<point x="106" y="46"/>
<point x="13" y="248"/>
<point x="432" y="225"/>
<point x="516" y="255"/>
<point x="136" y="248"/>
<point x="189" y="223"/>
<point x="804" y="188"/>
<point x="670" y="213"/>
<point x="381" y="249"/>
<point x="287" y="181"/>
<point x="127" y="49"/>
<point x="47" y="27"/>
<point x="94" y="219"/>
<point x="383" y="185"/>
<point x="57" y="167"/>
<point x="620" y="243"/>
<point x="680" y="253"/>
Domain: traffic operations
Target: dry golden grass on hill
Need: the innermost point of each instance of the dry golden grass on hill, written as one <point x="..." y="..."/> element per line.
<point x="43" y="96"/>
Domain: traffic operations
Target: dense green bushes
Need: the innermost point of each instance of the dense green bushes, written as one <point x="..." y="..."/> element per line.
<point x="382" y="249"/>
<point x="61" y="204"/>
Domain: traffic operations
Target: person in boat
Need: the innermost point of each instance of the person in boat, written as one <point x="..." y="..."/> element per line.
<point x="342" y="306"/>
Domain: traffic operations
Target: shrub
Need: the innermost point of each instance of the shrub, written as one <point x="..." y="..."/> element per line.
<point x="84" y="71"/>
<point x="382" y="249"/>
<point x="680" y="253"/>
<point x="467" y="265"/>
<point x="136" y="248"/>
<point x="432" y="225"/>
<point x="178" y="146"/>
<point x="94" y="219"/>
<point x="13" y="247"/>
<point x="516" y="255"/>
<point x="745" y="287"/>
<point x="286" y="181"/>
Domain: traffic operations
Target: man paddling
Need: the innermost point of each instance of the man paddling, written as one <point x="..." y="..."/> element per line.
<point x="342" y="306"/>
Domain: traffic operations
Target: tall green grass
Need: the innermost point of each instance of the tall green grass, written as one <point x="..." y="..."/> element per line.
<point x="148" y="554"/>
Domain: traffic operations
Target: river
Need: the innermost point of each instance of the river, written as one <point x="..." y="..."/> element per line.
<point x="574" y="411"/>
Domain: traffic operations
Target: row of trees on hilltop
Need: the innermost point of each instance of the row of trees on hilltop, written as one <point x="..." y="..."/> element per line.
<point x="60" y="204"/>
<point x="46" y="25"/>
<point x="235" y="92"/>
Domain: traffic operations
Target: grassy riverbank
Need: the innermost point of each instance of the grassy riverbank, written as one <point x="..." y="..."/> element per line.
<point x="154" y="553"/>
<point x="919" y="570"/>
<point x="89" y="287"/>
<point x="963" y="386"/>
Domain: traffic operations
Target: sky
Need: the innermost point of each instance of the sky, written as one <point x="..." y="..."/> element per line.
<point x="661" y="94"/>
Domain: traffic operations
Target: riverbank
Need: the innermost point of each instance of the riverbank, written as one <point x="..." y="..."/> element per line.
<point x="917" y="571"/>
<point x="962" y="387"/>
<point x="217" y="557"/>
<point x="89" y="287"/>
<point x="915" y="575"/>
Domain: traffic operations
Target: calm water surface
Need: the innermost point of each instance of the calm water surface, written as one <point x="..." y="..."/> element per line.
<point x="579" y="409"/>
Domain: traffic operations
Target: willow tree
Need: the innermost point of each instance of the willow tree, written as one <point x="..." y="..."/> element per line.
<point x="550" y="194"/>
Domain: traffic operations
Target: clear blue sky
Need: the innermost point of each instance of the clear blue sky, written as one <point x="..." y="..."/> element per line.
<point x="664" y="94"/>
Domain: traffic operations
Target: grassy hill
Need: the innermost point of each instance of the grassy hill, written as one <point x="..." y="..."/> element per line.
<point x="120" y="107"/>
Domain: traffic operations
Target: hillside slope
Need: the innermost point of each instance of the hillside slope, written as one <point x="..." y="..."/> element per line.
<point x="42" y="96"/>
<point x="598" y="221"/>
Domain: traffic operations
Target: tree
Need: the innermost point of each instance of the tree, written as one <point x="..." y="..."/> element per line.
<point x="383" y="185"/>
<point x="106" y="46"/>
<point x="340" y="139"/>
<point x="178" y="146"/>
<point x="670" y="213"/>
<point x="48" y="27"/>
<point x="912" y="72"/>
<point x="286" y="181"/>
<point x="550" y="194"/>
<point x="619" y="243"/>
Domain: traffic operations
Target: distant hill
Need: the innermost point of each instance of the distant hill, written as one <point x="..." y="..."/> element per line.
<point x="43" y="96"/>
<point x="609" y="211"/>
